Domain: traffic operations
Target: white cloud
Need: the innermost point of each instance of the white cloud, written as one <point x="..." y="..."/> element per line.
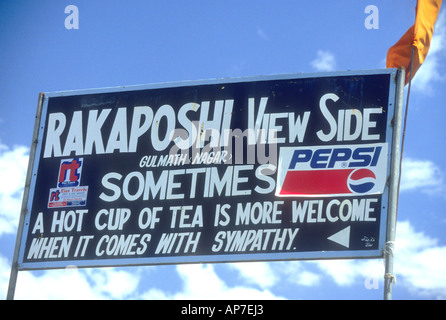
<point x="420" y="262"/>
<point x="65" y="284"/>
<point x="325" y="61"/>
<point x="13" y="166"/>
<point x="346" y="273"/>
<point x="117" y="284"/>
<point x="259" y="273"/>
<point x="342" y="272"/>
<point x="5" y="269"/>
<point x="295" y="272"/>
<point x="430" y="71"/>
<point x="154" y="294"/>
<point x="201" y="282"/>
<point x="73" y="284"/>
<point x="420" y="175"/>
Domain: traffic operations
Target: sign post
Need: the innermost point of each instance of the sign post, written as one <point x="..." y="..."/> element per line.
<point x="26" y="191"/>
<point x="395" y="169"/>
<point x="286" y="167"/>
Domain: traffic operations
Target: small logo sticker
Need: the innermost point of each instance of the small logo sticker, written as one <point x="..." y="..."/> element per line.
<point x="68" y="192"/>
<point x="70" y="172"/>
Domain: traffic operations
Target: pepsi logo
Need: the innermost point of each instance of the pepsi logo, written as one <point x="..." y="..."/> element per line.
<point x="361" y="180"/>
<point x="341" y="170"/>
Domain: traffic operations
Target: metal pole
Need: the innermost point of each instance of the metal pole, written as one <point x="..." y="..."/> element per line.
<point x="24" y="210"/>
<point x="389" y="278"/>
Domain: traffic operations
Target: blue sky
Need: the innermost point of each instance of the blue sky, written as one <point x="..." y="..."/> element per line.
<point x="141" y="42"/>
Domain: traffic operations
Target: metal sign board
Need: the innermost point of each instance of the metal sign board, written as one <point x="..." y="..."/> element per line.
<point x="266" y="168"/>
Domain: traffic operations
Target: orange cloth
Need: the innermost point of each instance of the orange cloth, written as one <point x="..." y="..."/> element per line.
<point x="418" y="37"/>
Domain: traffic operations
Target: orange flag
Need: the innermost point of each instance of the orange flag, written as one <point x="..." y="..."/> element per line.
<point x="418" y="37"/>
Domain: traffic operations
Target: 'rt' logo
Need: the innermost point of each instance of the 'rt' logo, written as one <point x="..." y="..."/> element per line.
<point x="55" y="196"/>
<point x="70" y="172"/>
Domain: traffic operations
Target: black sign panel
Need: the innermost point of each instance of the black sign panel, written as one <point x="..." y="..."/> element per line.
<point x="270" y="168"/>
